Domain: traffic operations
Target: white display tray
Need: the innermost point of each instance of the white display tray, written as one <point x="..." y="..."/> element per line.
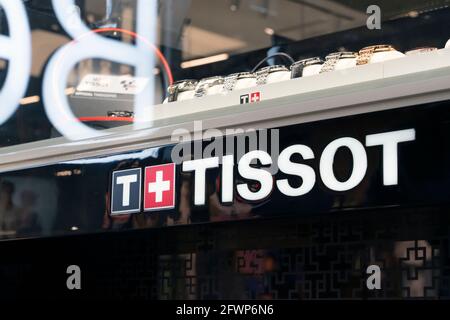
<point x="407" y="65"/>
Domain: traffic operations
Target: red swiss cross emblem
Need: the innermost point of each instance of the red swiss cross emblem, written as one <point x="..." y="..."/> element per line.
<point x="159" y="187"/>
<point x="255" y="97"/>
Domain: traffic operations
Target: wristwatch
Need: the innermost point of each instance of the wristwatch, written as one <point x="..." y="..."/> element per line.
<point x="178" y="87"/>
<point x="232" y="79"/>
<point x="365" y="54"/>
<point x="297" y="67"/>
<point x="262" y="74"/>
<point x="420" y="50"/>
<point x="207" y="83"/>
<point x="332" y="59"/>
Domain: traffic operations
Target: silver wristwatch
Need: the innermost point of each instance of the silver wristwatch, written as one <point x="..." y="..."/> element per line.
<point x="262" y="74"/>
<point x="180" y="86"/>
<point x="332" y="59"/>
<point x="298" y="66"/>
<point x="206" y="83"/>
<point x="232" y="79"/>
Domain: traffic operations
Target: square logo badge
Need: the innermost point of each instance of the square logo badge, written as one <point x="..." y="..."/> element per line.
<point x="255" y="97"/>
<point x="159" y="187"/>
<point x="126" y="191"/>
<point x="245" y="98"/>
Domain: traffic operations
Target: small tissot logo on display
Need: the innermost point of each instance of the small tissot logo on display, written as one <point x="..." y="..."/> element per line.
<point x="126" y="191"/>
<point x="245" y="98"/>
<point x="159" y="188"/>
<point x="250" y="98"/>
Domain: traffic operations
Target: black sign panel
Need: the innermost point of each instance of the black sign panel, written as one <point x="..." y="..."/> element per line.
<point x="108" y="192"/>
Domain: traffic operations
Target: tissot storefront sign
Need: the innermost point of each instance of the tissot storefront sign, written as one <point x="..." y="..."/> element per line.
<point x="159" y="182"/>
<point x="398" y="157"/>
<point x="395" y="158"/>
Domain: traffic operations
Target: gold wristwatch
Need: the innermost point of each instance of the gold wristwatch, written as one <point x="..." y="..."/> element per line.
<point x="365" y="54"/>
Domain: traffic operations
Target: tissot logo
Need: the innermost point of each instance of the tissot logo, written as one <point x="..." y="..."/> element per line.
<point x="159" y="181"/>
<point x="159" y="187"/>
<point x="250" y="98"/>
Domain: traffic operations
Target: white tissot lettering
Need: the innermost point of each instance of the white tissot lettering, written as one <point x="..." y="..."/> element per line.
<point x="200" y="166"/>
<point x="305" y="172"/>
<point x="261" y="175"/>
<point x="359" y="164"/>
<point x="390" y="141"/>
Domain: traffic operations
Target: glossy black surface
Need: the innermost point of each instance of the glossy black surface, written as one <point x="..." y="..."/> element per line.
<point x="317" y="246"/>
<point x="74" y="197"/>
<point x="316" y="257"/>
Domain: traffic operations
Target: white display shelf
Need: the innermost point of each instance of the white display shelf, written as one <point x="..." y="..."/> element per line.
<point x="405" y="81"/>
<point x="359" y="75"/>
